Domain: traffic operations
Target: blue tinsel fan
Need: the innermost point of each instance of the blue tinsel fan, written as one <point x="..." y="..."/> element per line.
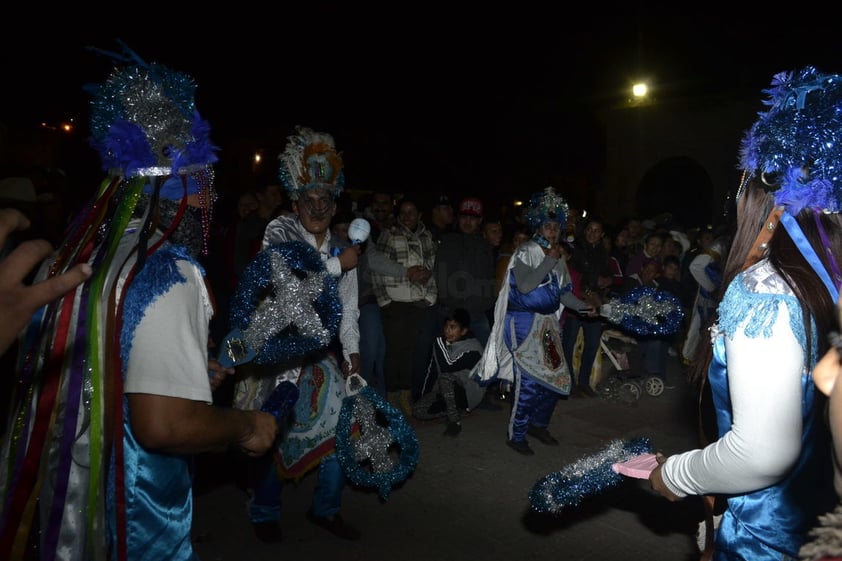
<point x="587" y="476"/>
<point x="646" y="310"/>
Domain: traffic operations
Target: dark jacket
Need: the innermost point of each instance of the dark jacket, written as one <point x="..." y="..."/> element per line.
<point x="465" y="273"/>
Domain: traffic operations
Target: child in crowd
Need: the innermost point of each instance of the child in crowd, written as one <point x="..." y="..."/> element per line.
<point x="455" y="352"/>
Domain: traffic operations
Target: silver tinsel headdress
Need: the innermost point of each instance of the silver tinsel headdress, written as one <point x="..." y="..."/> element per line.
<point x="144" y="121"/>
<point x="546" y="206"/>
<point x="310" y="161"/>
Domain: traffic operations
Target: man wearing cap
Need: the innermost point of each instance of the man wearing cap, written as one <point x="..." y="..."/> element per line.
<point x="441" y="217"/>
<point x="464" y="272"/>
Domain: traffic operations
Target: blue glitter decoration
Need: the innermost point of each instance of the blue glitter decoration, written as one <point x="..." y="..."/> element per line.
<point x="798" y="142"/>
<point x="374" y="443"/>
<point x="159" y="275"/>
<point x="281" y="400"/>
<point x="302" y="323"/>
<point x="646" y="310"/>
<point x="588" y="476"/>
<point x="144" y="121"/>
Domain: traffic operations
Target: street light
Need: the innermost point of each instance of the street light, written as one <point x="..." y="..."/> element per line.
<point x="639" y="90"/>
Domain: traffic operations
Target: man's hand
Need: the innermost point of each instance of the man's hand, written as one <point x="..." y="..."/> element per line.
<point x="349" y="257"/>
<point x="18" y="301"/>
<point x="352" y="367"/>
<point x="263" y="434"/>
<point x="418" y="274"/>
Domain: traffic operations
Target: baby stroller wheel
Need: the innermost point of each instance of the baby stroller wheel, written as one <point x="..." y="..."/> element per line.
<point x="609" y="388"/>
<point x="630" y="391"/>
<point x="654" y="385"/>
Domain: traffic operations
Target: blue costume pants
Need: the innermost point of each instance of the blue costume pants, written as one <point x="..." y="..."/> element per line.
<point x="534" y="405"/>
<point x="534" y="402"/>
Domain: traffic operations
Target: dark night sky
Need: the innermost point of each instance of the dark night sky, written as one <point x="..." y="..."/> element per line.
<point x="417" y="95"/>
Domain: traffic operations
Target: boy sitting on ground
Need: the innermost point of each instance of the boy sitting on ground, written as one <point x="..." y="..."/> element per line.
<point x="455" y="353"/>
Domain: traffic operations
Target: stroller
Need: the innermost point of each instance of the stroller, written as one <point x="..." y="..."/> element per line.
<point x="624" y="383"/>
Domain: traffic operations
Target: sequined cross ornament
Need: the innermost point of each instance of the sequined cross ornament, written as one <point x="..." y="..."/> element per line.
<point x="285" y="306"/>
<point x="380" y="454"/>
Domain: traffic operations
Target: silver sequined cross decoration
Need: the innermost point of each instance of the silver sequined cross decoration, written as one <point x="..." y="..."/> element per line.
<point x="374" y="441"/>
<point x="291" y="304"/>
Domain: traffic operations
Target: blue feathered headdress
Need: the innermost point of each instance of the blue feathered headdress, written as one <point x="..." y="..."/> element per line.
<point x="144" y="121"/>
<point x="546" y="206"/>
<point x="795" y="145"/>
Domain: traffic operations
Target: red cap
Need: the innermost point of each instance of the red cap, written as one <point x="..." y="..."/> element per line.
<point x="471" y="207"/>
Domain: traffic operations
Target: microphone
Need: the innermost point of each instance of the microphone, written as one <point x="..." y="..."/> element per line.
<point x="359" y="230"/>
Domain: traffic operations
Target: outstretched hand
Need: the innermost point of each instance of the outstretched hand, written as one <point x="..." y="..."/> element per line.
<point x="19" y="301"/>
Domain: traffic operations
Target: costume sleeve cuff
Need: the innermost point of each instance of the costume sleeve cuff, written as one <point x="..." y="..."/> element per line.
<point x="334" y="268"/>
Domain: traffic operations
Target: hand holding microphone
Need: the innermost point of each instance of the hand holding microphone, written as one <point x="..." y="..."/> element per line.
<point x="358" y="232"/>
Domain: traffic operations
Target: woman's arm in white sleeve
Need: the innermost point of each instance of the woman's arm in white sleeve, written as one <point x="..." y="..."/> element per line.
<point x="765" y="380"/>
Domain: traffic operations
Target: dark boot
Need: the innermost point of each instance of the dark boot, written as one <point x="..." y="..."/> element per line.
<point x="542" y="434"/>
<point x="521" y="447"/>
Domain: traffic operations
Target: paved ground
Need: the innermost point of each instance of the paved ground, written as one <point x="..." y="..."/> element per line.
<point x="468" y="497"/>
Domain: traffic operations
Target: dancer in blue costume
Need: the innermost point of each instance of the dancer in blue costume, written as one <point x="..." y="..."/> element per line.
<point x="771" y="460"/>
<point x="112" y="392"/>
<point x="525" y="343"/>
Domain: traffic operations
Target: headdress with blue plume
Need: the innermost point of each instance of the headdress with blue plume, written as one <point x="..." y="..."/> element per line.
<point x="794" y="148"/>
<point x="144" y="121"/>
<point x="152" y="143"/>
<point x="796" y="145"/>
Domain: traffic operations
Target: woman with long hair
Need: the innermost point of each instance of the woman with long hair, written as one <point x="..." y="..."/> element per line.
<point x="769" y="456"/>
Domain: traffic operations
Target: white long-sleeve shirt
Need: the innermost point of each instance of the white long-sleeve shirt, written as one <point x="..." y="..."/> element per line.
<point x="765" y="388"/>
